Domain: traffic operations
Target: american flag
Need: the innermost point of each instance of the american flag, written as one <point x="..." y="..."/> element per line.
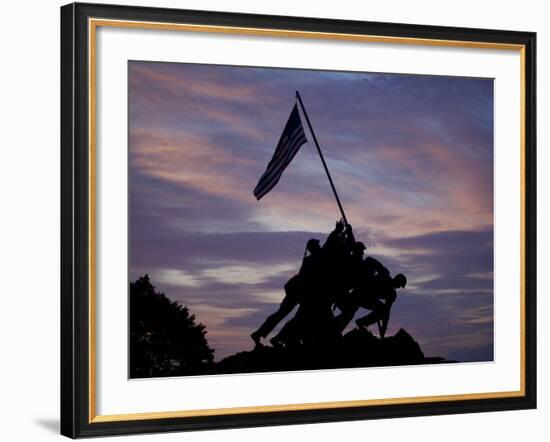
<point x="292" y="138"/>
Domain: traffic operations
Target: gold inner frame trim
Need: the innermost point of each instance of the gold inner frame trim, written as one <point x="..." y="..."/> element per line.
<point x="93" y="24"/>
<point x="306" y="406"/>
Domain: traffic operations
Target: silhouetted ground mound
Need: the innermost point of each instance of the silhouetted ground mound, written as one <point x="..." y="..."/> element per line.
<point x="357" y="348"/>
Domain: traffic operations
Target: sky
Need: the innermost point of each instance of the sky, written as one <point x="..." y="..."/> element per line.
<point x="411" y="157"/>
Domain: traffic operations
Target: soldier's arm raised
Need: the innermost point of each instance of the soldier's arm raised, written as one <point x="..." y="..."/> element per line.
<point x="350" y="237"/>
<point x="333" y="236"/>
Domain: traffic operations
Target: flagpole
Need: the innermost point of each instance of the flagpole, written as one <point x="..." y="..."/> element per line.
<point x="322" y="157"/>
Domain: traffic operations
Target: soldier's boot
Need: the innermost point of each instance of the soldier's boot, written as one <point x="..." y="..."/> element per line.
<point x="256" y="338"/>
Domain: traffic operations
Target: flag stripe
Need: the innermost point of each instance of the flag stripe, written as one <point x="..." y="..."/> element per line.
<point x="282" y="146"/>
<point x="271" y="177"/>
<point x="268" y="186"/>
<point x="291" y="140"/>
<point x="291" y="148"/>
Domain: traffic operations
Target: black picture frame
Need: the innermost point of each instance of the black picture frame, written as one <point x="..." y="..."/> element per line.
<point x="76" y="417"/>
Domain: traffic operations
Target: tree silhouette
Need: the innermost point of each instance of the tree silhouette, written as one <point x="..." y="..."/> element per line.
<point x="164" y="338"/>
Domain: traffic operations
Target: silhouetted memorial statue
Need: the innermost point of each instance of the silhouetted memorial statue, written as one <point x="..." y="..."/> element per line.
<point x="334" y="276"/>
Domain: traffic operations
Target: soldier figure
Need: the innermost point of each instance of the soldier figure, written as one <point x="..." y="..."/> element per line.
<point x="294" y="289"/>
<point x="334" y="275"/>
<point x="378" y="288"/>
<point x="323" y="279"/>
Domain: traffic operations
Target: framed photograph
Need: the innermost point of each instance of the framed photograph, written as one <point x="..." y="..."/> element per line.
<point x="274" y="220"/>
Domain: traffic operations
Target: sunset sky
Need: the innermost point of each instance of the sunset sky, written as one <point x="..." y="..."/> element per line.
<point x="411" y="157"/>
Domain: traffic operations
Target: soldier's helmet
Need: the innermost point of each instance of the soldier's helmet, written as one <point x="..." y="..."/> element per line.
<point x="400" y="280"/>
<point x="313" y="245"/>
<point x="358" y="247"/>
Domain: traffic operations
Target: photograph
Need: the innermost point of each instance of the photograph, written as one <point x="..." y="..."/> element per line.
<point x="284" y="219"/>
<point x="275" y="221"/>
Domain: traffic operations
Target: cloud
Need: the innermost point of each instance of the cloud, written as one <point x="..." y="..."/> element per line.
<point x="189" y="160"/>
<point x="197" y="250"/>
<point x="450" y="259"/>
<point x="177" y="278"/>
<point x="459" y="283"/>
<point x="446" y="324"/>
<point x="242" y="274"/>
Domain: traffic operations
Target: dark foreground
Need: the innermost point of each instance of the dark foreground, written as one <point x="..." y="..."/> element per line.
<point x="357" y="348"/>
<point x="166" y="341"/>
